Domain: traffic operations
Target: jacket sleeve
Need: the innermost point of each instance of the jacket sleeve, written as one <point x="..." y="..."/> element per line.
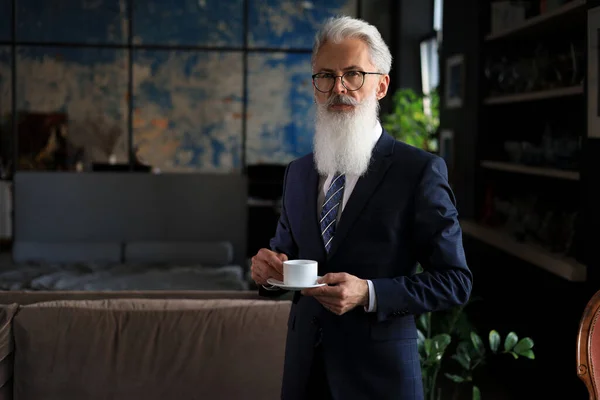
<point x="446" y="280"/>
<point x="283" y="241"/>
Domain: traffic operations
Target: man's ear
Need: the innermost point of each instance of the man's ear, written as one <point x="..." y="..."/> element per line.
<point x="382" y="87"/>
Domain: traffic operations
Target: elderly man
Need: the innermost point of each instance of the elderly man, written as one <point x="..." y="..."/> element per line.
<point x="369" y="209"/>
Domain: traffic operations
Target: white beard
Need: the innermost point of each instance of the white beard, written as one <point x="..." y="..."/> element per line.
<point x="343" y="140"/>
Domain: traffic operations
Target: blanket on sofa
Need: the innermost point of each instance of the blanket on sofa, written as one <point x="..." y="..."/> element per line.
<point x="121" y="276"/>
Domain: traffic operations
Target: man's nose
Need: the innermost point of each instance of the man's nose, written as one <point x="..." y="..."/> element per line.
<point x="338" y="88"/>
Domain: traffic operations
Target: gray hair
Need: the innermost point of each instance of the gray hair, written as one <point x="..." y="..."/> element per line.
<point x="336" y="29"/>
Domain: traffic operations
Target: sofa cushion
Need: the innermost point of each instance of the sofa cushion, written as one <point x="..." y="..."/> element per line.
<point x="203" y="253"/>
<point x="67" y="252"/>
<point x="7" y="313"/>
<point x="150" y="349"/>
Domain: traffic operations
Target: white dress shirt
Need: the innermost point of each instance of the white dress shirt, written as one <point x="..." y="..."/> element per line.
<point x="351" y="180"/>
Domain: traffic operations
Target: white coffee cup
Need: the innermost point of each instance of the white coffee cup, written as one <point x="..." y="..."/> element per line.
<point x="300" y="272"/>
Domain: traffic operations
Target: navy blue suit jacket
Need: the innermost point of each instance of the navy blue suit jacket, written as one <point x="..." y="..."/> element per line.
<point x="402" y="211"/>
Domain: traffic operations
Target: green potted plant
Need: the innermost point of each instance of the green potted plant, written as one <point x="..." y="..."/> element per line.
<point x="449" y="336"/>
<point x="414" y="118"/>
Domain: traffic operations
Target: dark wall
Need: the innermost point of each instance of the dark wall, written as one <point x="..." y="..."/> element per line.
<point x="379" y="13"/>
<point x="414" y="22"/>
<point x="462" y="32"/>
<point x="403" y="24"/>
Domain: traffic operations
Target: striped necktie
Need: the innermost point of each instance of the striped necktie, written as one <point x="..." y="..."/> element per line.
<point x="329" y="212"/>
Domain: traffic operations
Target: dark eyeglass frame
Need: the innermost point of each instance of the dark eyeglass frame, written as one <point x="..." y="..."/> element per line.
<point x="330" y="75"/>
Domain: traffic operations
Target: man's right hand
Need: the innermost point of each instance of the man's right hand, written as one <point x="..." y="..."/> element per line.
<point x="267" y="264"/>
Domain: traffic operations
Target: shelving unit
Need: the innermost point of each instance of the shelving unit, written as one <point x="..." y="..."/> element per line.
<point x="565" y="15"/>
<point x="556" y="110"/>
<point x="525" y="169"/>
<point x="564" y="267"/>
<point x="533" y="96"/>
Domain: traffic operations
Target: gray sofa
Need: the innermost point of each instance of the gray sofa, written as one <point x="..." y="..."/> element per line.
<point x="141" y="345"/>
<point x="106" y="217"/>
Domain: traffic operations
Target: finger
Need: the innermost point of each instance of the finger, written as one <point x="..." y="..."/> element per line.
<point x="277" y="275"/>
<point x="318" y="291"/>
<point x="268" y="262"/>
<point x="327" y="301"/>
<point x="310" y="292"/>
<point x="258" y="267"/>
<point x="334" y="309"/>
<point x="272" y="259"/>
<point x="259" y="278"/>
<point x="266" y="273"/>
<point x="327" y="305"/>
<point x="326" y="291"/>
<point x="282" y="256"/>
<point x="331" y="309"/>
<point x="333" y="278"/>
<point x="261" y="271"/>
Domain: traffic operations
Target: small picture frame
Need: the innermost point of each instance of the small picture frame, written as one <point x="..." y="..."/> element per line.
<point x="455" y="81"/>
<point x="446" y="147"/>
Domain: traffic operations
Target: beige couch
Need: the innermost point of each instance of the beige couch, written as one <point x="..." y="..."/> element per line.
<point x="141" y="345"/>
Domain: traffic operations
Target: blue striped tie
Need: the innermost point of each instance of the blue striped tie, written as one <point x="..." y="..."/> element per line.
<point x="329" y="212"/>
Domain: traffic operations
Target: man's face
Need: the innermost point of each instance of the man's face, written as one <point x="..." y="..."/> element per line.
<point x="337" y="59"/>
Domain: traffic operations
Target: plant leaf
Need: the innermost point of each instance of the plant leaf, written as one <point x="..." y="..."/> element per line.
<point x="515" y="355"/>
<point x="455" y="378"/>
<point x="463" y="360"/>
<point x="528" y="353"/>
<point x="441" y="341"/>
<point x="477" y="343"/>
<point x="476" y="393"/>
<point x="523" y="345"/>
<point x="494" y="340"/>
<point x="409" y="122"/>
<point x="463" y="350"/>
<point x="437" y="347"/>
<point x="422" y="322"/>
<point x="510" y="341"/>
<point x="457" y="323"/>
<point x="427" y="345"/>
<point x="420" y="341"/>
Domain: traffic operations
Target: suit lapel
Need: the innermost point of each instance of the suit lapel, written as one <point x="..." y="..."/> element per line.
<point x="313" y="216"/>
<point x="364" y="189"/>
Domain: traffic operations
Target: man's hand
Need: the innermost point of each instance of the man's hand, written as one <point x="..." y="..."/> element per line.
<point x="348" y="292"/>
<point x="267" y="264"/>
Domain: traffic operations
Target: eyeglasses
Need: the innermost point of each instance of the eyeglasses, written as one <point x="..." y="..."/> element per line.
<point x="351" y="80"/>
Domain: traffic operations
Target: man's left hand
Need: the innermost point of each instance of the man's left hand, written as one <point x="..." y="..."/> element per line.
<point x="347" y="292"/>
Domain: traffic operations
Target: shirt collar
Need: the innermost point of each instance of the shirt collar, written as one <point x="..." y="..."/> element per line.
<point x="376" y="133"/>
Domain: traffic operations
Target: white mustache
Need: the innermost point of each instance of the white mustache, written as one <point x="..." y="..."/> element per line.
<point x="341" y="100"/>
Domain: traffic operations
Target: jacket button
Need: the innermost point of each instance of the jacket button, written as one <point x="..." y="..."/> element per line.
<point x="314" y="321"/>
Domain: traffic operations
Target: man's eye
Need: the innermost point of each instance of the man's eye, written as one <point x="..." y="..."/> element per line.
<point x="353" y="74"/>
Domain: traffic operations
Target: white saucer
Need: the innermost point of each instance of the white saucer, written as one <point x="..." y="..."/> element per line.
<point x="282" y="285"/>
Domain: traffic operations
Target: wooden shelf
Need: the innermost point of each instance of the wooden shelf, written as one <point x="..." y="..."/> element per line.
<point x="562" y="16"/>
<point x="563" y="267"/>
<point x="524" y="169"/>
<point x="532" y="96"/>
